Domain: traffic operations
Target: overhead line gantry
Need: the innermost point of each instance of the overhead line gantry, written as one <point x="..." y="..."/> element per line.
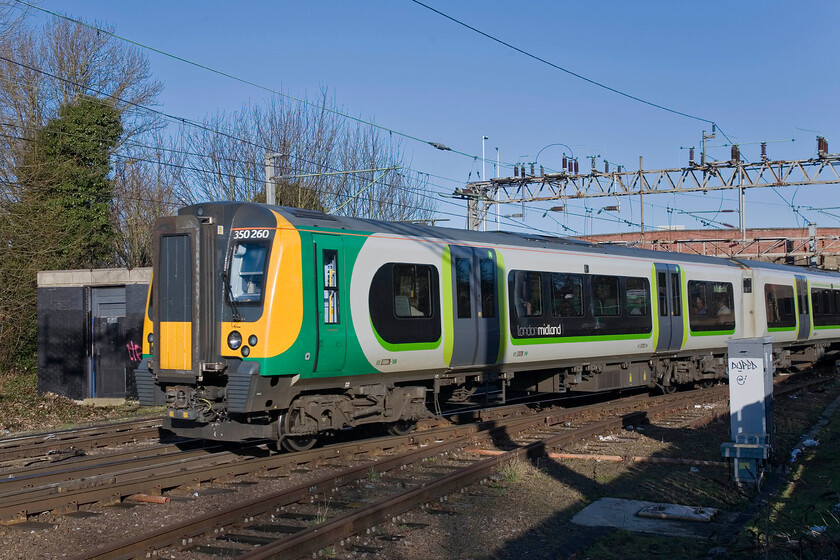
<point x="569" y="184"/>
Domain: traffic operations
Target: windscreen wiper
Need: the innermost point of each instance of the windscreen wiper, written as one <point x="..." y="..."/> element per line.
<point x="229" y="289"/>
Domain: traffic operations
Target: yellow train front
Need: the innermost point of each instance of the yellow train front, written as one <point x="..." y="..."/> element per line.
<point x="280" y="323"/>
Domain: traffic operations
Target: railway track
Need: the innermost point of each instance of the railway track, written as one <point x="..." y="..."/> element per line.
<point x="40" y="445"/>
<point x="70" y="485"/>
<point x="294" y="521"/>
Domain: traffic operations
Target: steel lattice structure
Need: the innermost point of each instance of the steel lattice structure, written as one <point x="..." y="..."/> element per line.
<point x="722" y="175"/>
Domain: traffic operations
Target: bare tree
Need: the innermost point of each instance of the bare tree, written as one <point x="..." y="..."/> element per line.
<point x="314" y="146"/>
<point x="42" y="70"/>
<point x="144" y="190"/>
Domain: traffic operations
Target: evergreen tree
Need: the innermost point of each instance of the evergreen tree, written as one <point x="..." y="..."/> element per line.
<point x="62" y="218"/>
<point x="66" y="179"/>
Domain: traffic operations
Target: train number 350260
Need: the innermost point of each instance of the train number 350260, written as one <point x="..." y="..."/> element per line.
<point x="251" y="233"/>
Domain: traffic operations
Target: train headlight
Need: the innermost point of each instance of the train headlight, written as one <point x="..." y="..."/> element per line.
<point x="245" y="351"/>
<point x="151" y="338"/>
<point x="252" y="340"/>
<point x="234" y="340"/>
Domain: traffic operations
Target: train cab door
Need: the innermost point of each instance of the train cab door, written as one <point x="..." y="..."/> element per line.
<point x="803" y="308"/>
<point x="670" y="319"/>
<point x="475" y="306"/>
<point x="184" y="312"/>
<point x="331" y="303"/>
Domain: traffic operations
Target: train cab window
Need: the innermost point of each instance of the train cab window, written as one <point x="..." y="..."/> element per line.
<point x="463" y="274"/>
<point x="605" y="301"/>
<point x="487" y="268"/>
<point x="412" y="291"/>
<point x="527" y="290"/>
<point x="247" y="272"/>
<point x="331" y="309"/>
<point x="779" y="306"/>
<point x="566" y="295"/>
<point x="636" y="299"/>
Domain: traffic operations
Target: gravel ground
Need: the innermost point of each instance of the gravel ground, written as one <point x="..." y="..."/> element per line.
<point x="523" y="512"/>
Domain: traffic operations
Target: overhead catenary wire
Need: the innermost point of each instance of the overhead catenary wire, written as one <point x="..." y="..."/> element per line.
<point x="434" y="144"/>
<point x="560" y="68"/>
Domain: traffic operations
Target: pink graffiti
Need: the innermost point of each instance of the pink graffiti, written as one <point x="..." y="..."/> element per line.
<point x="133" y="351"/>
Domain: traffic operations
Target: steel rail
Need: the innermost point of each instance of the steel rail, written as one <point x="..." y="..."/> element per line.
<point x="461" y="435"/>
<point x="33" y="445"/>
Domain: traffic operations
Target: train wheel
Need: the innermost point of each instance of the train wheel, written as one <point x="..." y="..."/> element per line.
<point x="294" y="443"/>
<point x="669" y="389"/>
<point x="401" y="427"/>
<point x="298" y="443"/>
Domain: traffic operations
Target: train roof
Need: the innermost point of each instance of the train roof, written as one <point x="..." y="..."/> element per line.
<point x="304" y="218"/>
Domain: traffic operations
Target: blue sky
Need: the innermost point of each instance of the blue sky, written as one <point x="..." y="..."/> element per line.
<point x="762" y="70"/>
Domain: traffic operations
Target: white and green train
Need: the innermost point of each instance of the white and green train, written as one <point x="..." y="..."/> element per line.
<point x="271" y="322"/>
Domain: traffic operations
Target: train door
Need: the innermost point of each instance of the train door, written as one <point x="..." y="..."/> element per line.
<point x="475" y="306"/>
<point x="804" y="309"/>
<point x="184" y="294"/>
<point x="669" y="293"/>
<point x="331" y="303"/>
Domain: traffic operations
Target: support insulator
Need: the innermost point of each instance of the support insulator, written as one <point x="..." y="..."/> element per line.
<point x="565" y="163"/>
<point x="516" y="170"/>
<point x="691" y="156"/>
<point x="764" y="151"/>
<point x="532" y="169"/>
<point x="736" y="153"/>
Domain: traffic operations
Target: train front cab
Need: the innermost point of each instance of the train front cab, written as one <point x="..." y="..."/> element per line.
<point x="224" y="307"/>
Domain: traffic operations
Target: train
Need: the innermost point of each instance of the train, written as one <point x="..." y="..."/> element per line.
<point x="267" y="322"/>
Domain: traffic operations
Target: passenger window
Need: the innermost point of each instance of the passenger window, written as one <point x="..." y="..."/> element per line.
<point x="528" y="294"/>
<point x="412" y="290"/>
<point x="663" y="294"/>
<point x="676" y="300"/>
<point x="605" y="301"/>
<point x="463" y="273"/>
<point x="566" y="295"/>
<point x="488" y="288"/>
<point x="711" y="306"/>
<point x="779" y="306"/>
<point x="636" y="297"/>
<point x="331" y="311"/>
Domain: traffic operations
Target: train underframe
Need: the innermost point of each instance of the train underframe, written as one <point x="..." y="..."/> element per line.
<point x="241" y="404"/>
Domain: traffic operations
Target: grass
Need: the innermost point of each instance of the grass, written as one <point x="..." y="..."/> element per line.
<point x="622" y="545"/>
<point x="809" y="498"/>
<point x="373" y="476"/>
<point x="22" y="409"/>
<point x="514" y="471"/>
<point x="803" y="521"/>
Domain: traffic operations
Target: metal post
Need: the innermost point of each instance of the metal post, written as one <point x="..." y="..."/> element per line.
<point x="642" y="196"/>
<point x="270" y="176"/>
<point x="741" y="201"/>
<point x="483" y="173"/>
<point x="496" y="194"/>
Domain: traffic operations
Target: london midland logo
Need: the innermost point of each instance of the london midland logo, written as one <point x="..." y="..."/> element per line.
<point x="545" y="330"/>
